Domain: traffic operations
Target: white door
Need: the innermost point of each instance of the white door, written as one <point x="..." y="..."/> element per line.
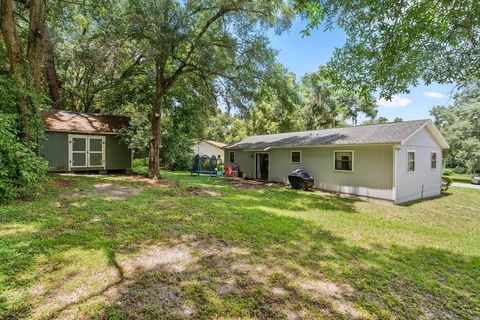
<point x="86" y="151"/>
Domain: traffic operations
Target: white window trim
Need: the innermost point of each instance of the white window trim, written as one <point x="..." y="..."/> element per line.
<point x="353" y="161"/>
<point x="87" y="151"/>
<point x="414" y="162"/>
<point x="291" y="153"/>
<point x="229" y="156"/>
<point x="436" y="160"/>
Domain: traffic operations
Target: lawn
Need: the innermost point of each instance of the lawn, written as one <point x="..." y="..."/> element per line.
<point x="462" y="177"/>
<point x="116" y="247"/>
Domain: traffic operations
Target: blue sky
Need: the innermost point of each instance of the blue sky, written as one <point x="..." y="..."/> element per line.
<point x="301" y="55"/>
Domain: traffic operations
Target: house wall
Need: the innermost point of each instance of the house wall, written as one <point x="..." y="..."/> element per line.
<point x="424" y="182"/>
<point x="205" y="148"/>
<point x="372" y="165"/>
<point x="55" y="151"/>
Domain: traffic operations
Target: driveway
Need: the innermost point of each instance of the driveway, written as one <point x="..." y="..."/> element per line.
<point x="465" y="185"/>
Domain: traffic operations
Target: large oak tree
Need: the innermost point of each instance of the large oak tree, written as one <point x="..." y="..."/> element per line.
<point x="220" y="41"/>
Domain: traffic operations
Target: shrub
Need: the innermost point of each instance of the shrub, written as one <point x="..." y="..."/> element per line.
<point x="460" y="170"/>
<point x="21" y="170"/>
<point x="447" y="172"/>
<point x="446" y="182"/>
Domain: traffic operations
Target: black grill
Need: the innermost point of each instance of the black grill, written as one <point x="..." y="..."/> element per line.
<point x="300" y="179"/>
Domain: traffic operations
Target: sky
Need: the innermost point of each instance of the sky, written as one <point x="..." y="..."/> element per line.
<point x="305" y="54"/>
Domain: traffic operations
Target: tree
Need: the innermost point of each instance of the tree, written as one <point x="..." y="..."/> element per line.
<point x="392" y="45"/>
<point x="93" y="53"/>
<point x="220" y="42"/>
<point x="277" y="104"/>
<point x="329" y="104"/>
<point x="24" y="66"/>
<point x="460" y="124"/>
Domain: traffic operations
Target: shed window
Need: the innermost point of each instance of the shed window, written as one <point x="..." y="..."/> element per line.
<point x="433" y="160"/>
<point x="296" y="157"/>
<point x="343" y="160"/>
<point x="232" y="156"/>
<point x="411" y="161"/>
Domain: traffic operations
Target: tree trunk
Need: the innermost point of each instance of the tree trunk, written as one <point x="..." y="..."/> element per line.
<point x="154" y="152"/>
<point x="9" y="32"/>
<point x="50" y="70"/>
<point x="35" y="41"/>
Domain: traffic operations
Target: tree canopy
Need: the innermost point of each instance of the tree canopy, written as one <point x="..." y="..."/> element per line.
<point x="392" y="45"/>
<point x="460" y="124"/>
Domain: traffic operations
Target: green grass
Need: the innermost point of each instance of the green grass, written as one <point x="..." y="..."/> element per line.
<point x="248" y="253"/>
<point x="465" y="178"/>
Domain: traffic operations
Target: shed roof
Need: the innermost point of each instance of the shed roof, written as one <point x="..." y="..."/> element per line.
<point x="216" y="143"/>
<point x="388" y="133"/>
<point x="66" y="121"/>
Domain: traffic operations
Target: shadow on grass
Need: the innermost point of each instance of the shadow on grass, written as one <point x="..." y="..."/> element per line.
<point x="386" y="281"/>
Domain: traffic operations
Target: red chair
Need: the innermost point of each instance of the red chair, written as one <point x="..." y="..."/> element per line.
<point x="228" y="171"/>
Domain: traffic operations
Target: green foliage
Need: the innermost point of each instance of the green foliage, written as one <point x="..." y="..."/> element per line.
<point x="176" y="150"/>
<point x="329" y="104"/>
<point x="460" y="124"/>
<point x="22" y="172"/>
<point x="446" y="182"/>
<point x="447" y="172"/>
<point x="392" y="45"/>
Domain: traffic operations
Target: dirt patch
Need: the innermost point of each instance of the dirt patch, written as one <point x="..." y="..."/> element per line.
<point x="174" y="259"/>
<point x="203" y="192"/>
<point x="109" y="191"/>
<point x="64" y="183"/>
<point x="149" y="183"/>
<point x="251" y="184"/>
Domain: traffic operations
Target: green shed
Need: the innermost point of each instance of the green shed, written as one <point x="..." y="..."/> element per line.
<point x="85" y="142"/>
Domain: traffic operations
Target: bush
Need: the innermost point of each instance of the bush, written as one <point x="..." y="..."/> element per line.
<point x="22" y="172"/>
<point x="447" y="172"/>
<point x="446" y="182"/>
<point x="460" y="170"/>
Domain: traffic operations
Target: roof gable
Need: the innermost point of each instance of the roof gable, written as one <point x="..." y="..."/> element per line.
<point x="215" y="143"/>
<point x="433" y="131"/>
<point x="65" y="121"/>
<point x="388" y="133"/>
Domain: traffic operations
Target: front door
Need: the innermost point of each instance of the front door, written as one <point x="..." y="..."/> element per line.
<point x="261" y="166"/>
<point x="86" y="152"/>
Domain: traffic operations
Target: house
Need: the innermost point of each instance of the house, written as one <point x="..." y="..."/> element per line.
<point x="399" y="161"/>
<point x="209" y="148"/>
<point x="84" y="142"/>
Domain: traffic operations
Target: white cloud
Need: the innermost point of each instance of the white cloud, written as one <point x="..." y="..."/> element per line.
<point x="396" y="102"/>
<point x="434" y="94"/>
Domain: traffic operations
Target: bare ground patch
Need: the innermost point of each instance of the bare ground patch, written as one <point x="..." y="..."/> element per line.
<point x="173" y="280"/>
<point x="251" y="184"/>
<point x="194" y="191"/>
<point x="149" y="183"/>
<point x="110" y="191"/>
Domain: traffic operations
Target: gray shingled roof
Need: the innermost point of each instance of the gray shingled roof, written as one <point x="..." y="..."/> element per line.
<point x="394" y="132"/>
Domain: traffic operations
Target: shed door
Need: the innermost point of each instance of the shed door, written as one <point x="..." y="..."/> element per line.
<point x="78" y="154"/>
<point x="96" y="148"/>
<point x="86" y="151"/>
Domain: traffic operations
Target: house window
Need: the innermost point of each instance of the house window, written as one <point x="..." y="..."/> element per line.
<point x="232" y="156"/>
<point x="296" y="157"/>
<point x="411" y="161"/>
<point x="433" y="160"/>
<point x="343" y="160"/>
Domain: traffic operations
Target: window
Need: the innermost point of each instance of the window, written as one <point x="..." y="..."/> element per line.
<point x="232" y="156"/>
<point x="296" y="157"/>
<point x="411" y="161"/>
<point x="433" y="160"/>
<point x="343" y="160"/>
